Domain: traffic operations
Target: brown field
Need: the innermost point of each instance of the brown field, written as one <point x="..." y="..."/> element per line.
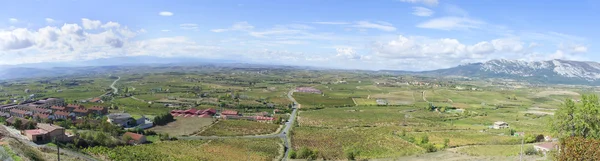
<point x="184" y="126"/>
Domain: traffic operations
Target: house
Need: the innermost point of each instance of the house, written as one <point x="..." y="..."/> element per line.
<point x="36" y="110"/>
<point x="96" y="100"/>
<point x="81" y="111"/>
<point x="65" y="115"/>
<point x="230" y="112"/>
<point x="209" y="111"/>
<point x="121" y="119"/>
<point x="47" y="132"/>
<point x="545" y="147"/>
<point x="43" y="116"/>
<point x="20" y="113"/>
<point x="71" y="107"/>
<point x="135" y="138"/>
<point x="98" y="110"/>
<point x="11" y="121"/>
<point x="500" y="125"/>
<point x="4" y="114"/>
<point x="58" y="108"/>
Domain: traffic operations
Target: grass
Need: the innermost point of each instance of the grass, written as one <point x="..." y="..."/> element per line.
<point x="316" y="100"/>
<point x="369" y="142"/>
<point x="7" y="152"/>
<point x="239" y="127"/>
<point x="229" y="149"/>
<point x="364" y="101"/>
<point x="183" y="126"/>
<point x="493" y="150"/>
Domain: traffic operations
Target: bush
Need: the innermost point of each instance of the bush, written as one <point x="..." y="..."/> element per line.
<point x="531" y="151"/>
<point x="292" y="154"/>
<point x="351" y="154"/>
<point x="306" y="153"/>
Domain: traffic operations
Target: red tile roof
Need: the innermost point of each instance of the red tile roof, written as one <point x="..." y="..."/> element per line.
<point x="19" y="111"/>
<point x="35" y="132"/>
<point x="41" y="115"/>
<point x="229" y="112"/>
<point x="209" y="111"/>
<point x="190" y="111"/>
<point x="264" y="118"/>
<point x="134" y="136"/>
<point x="95" y="99"/>
<point x="58" y="108"/>
<point x="61" y="113"/>
<point x="81" y="110"/>
<point x="74" y="106"/>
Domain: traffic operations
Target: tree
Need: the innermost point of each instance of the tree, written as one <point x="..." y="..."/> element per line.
<point x="572" y="120"/>
<point x="18" y="123"/>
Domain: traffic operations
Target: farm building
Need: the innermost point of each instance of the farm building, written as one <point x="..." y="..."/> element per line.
<point x="20" y="113"/>
<point x="81" y="111"/>
<point x="121" y="119"/>
<point x="58" y="108"/>
<point x="96" y="100"/>
<point x="194" y="113"/>
<point x="47" y="132"/>
<point x="98" y="110"/>
<point x="71" y="107"/>
<point x="500" y="125"/>
<point x="135" y="138"/>
<point x="230" y="112"/>
<point x="545" y="147"/>
<point x="64" y="115"/>
<point x="308" y="90"/>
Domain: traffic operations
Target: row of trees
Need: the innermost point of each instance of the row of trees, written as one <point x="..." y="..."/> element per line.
<point x="163" y="119"/>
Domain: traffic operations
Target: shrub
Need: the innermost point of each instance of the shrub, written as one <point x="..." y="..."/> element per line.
<point x="530" y="151"/>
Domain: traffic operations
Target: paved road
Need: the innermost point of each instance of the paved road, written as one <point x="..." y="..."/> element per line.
<point x="283" y="134"/>
<point x="113" y="86"/>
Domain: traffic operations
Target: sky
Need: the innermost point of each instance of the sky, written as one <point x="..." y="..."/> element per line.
<point x="413" y="35"/>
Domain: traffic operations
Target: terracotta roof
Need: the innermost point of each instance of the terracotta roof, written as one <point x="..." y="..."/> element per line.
<point x="48" y="127"/>
<point x="264" y="118"/>
<point x="41" y="115"/>
<point x="81" y="110"/>
<point x="229" y="112"/>
<point x="74" y="105"/>
<point x="40" y="110"/>
<point x="58" y="108"/>
<point x="61" y="113"/>
<point x="190" y="111"/>
<point x="134" y="136"/>
<point x="95" y="99"/>
<point x="36" y="132"/>
<point x="19" y="111"/>
<point x="208" y="111"/>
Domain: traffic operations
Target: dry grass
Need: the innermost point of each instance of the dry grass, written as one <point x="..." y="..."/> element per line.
<point x="183" y="126"/>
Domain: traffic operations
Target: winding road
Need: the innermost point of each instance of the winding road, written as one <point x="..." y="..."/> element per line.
<point x="113" y="85"/>
<point x="283" y="134"/>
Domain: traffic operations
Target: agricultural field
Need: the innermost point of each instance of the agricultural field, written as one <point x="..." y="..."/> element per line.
<point x="317" y="100"/>
<point x="239" y="127"/>
<point x="493" y="150"/>
<point x="184" y="126"/>
<point x="370" y="143"/>
<point x="232" y="149"/>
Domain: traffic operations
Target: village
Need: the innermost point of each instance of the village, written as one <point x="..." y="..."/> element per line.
<point x="47" y="120"/>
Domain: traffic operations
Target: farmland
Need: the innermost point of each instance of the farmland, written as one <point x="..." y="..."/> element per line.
<point x="184" y="126"/>
<point x="238" y="128"/>
<point x="362" y="115"/>
<point x="234" y="149"/>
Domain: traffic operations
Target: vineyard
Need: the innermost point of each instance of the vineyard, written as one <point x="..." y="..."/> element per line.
<point x="232" y="149"/>
<point x="369" y="143"/>
<point x="316" y="100"/>
<point x="239" y="127"/>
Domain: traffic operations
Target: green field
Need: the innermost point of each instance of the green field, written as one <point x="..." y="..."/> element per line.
<point x="316" y="100"/>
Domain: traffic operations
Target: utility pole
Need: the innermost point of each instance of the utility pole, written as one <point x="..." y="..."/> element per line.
<point x="522" y="140"/>
<point x="57" y="149"/>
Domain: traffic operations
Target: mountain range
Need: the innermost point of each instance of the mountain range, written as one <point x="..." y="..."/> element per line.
<point x="548" y="72"/>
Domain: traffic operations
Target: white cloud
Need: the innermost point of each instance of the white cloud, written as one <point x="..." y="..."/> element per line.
<point x="422" y="11"/>
<point x="13" y="20"/>
<point x="451" y="23"/>
<point x="332" y="23"/>
<point x="347" y="53"/>
<point x="383" y="26"/>
<point x="188" y="26"/>
<point x="426" y="2"/>
<point x="111" y="24"/>
<point x="238" y="26"/>
<point x="165" y="13"/>
<point x="165" y="30"/>
<point x="90" y="24"/>
<point x="49" y="20"/>
<point x="570" y="48"/>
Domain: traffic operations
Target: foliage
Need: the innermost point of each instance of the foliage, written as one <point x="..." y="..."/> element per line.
<point x="305" y="153"/>
<point x="163" y="119"/>
<point x="578" y="120"/>
<point x="530" y="151"/>
<point x="579" y="148"/>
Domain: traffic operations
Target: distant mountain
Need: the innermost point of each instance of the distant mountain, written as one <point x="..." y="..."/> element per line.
<point x="552" y="71"/>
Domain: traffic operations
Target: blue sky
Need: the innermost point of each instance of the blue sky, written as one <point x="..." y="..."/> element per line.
<point x="377" y="34"/>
